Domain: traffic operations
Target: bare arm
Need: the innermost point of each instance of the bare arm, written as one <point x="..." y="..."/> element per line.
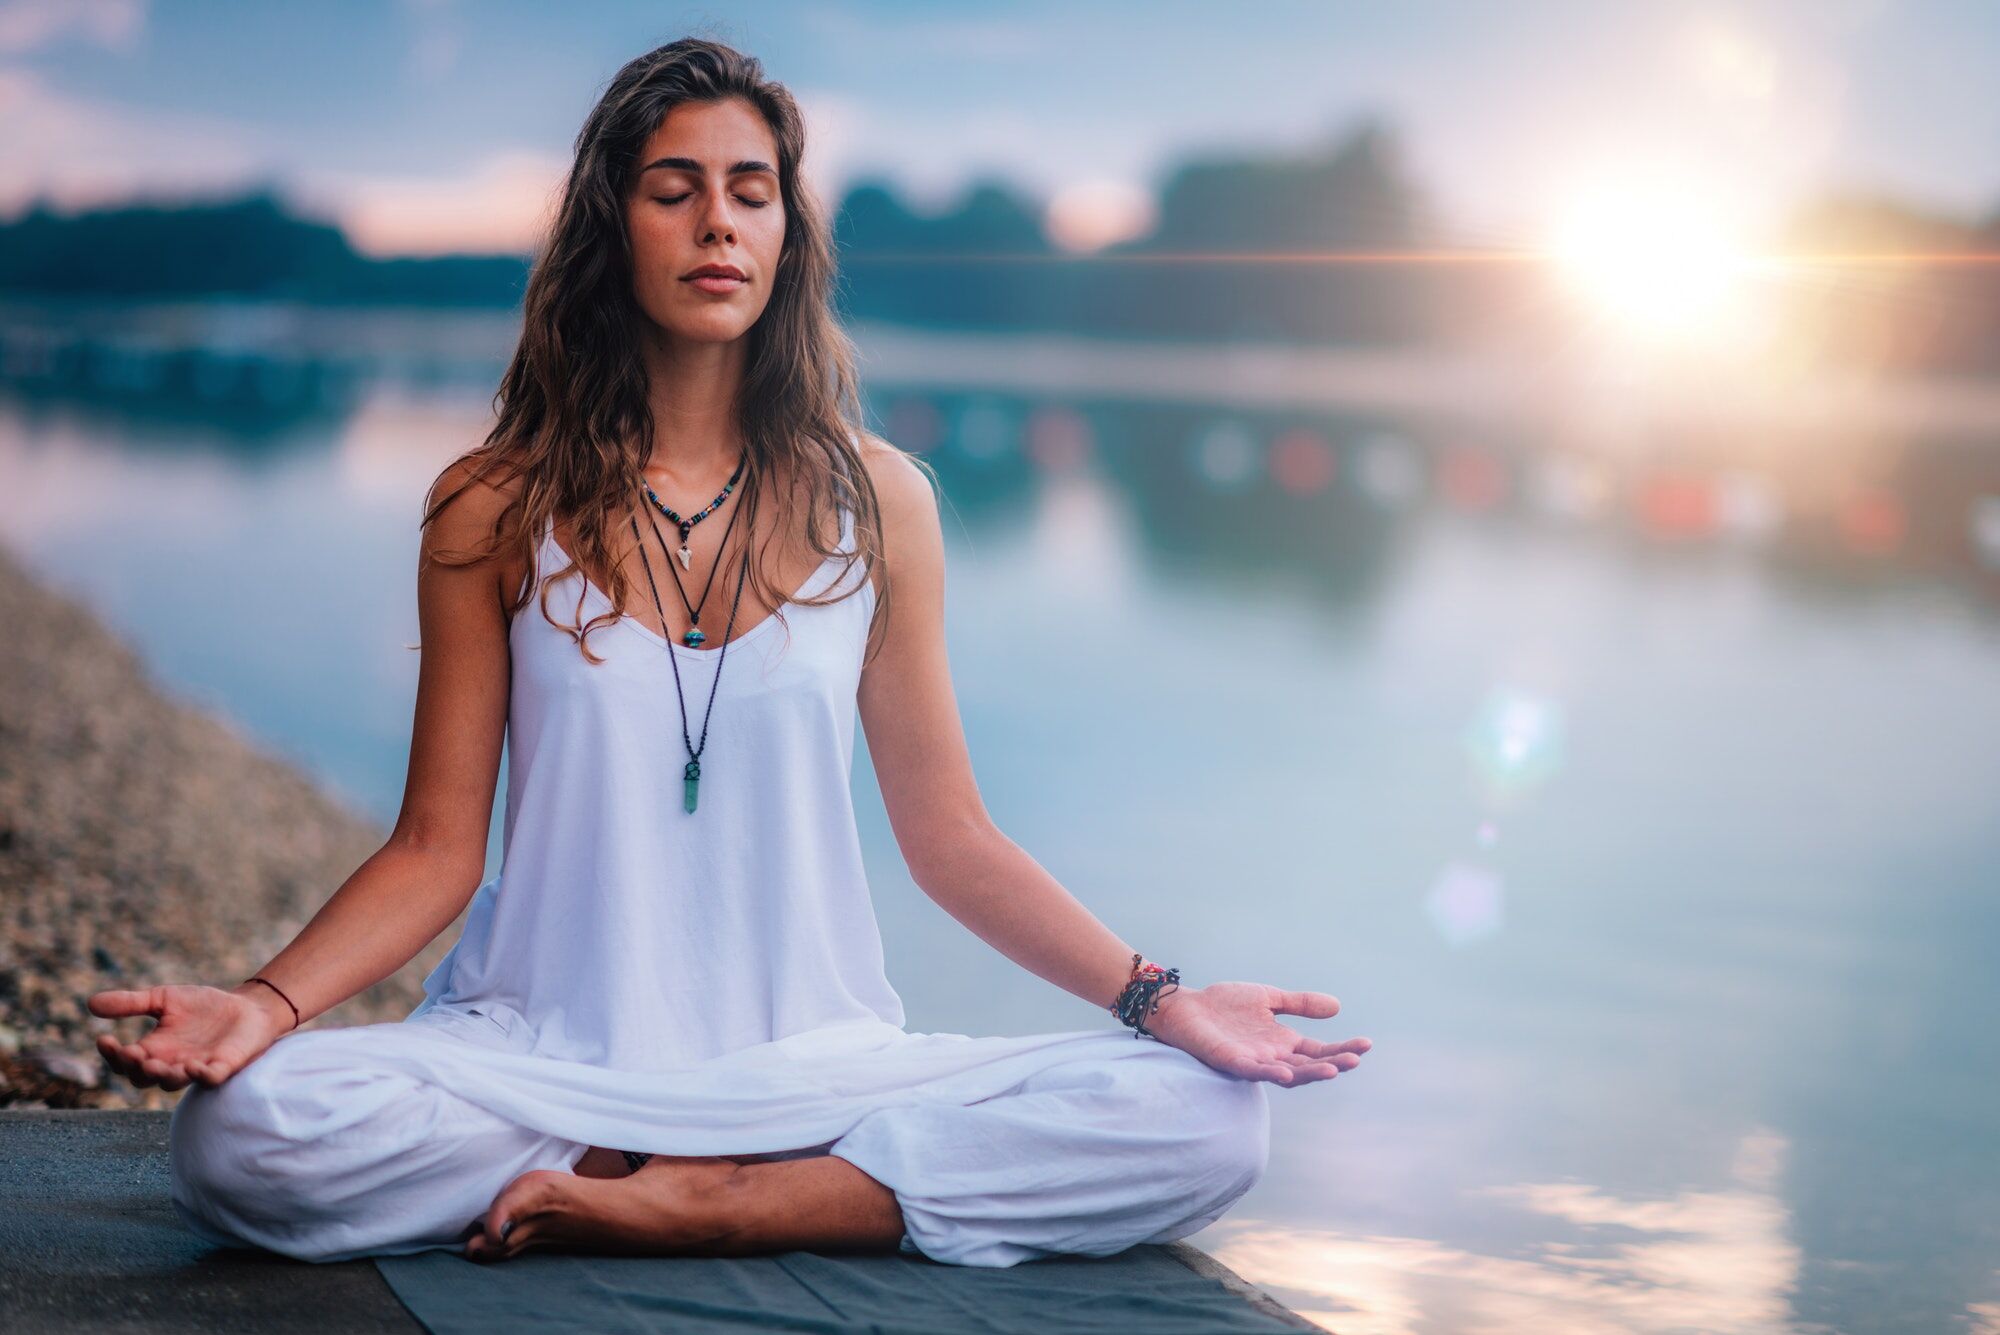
<point x="956" y="854"/>
<point x="409" y="890"/>
<point x="986" y="881"/>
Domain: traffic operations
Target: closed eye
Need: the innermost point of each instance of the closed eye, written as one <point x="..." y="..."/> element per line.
<point x="675" y="199"/>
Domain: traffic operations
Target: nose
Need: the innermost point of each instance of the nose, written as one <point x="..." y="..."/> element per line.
<point x="716" y="221"/>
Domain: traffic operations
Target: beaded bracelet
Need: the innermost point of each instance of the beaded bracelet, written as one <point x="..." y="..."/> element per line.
<point x="1142" y="994"/>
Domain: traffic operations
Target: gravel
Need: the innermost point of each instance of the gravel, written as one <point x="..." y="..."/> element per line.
<point x="142" y="840"/>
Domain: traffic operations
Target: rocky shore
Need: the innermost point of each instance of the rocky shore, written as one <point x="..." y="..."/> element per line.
<point x="142" y="841"/>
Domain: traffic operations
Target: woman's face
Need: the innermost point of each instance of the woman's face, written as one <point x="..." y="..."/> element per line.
<point x="707" y="193"/>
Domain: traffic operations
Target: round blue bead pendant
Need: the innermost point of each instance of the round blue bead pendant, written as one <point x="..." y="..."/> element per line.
<point x="694" y="637"/>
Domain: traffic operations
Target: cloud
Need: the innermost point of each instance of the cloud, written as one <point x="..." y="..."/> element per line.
<point x="81" y="153"/>
<point x="30" y="25"/>
<point x="1720" y="1260"/>
<point x="502" y="206"/>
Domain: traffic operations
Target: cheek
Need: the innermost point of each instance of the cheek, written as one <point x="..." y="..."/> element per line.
<point x="648" y="233"/>
<point x="771" y="238"/>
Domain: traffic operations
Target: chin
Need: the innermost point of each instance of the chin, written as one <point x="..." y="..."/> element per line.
<point x="710" y="330"/>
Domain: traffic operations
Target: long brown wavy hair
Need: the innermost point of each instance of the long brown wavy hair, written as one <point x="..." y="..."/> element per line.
<point x="574" y="427"/>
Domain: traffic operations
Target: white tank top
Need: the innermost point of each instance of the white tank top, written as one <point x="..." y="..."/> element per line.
<point x="626" y="932"/>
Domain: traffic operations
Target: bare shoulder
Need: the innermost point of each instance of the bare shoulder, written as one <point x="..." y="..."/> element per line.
<point x="470" y="510"/>
<point x="908" y="499"/>
<point x="471" y="505"/>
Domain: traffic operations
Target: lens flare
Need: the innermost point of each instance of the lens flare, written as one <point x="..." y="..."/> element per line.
<point x="1464" y="903"/>
<point x="1652" y="255"/>
<point x="1515" y="739"/>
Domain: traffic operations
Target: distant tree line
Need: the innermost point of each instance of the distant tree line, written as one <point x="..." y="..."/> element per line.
<point x="988" y="263"/>
<point x="249" y="247"/>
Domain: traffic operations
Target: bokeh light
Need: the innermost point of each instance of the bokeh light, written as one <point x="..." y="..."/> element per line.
<point x="1515" y="739"/>
<point x="1464" y="903"/>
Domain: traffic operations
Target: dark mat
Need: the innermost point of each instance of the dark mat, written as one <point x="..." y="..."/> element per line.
<point x="1144" y="1288"/>
<point x="89" y="1242"/>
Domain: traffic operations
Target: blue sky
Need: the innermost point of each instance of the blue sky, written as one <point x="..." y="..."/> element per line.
<point x="438" y="124"/>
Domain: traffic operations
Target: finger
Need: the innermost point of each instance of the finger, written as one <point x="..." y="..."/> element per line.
<point x="122" y="1001"/>
<point x="131" y="1063"/>
<point x="1316" y="1005"/>
<point x="107" y="1047"/>
<point x="1316" y="1047"/>
<point x="160" y="1070"/>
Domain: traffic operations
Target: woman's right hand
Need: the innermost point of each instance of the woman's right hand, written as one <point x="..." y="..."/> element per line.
<point x="204" y="1034"/>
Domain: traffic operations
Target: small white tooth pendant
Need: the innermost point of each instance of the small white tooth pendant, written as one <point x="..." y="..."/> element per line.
<point x="685" y="556"/>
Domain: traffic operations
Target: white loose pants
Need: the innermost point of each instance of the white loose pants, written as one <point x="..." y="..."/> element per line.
<point x="335" y="1144"/>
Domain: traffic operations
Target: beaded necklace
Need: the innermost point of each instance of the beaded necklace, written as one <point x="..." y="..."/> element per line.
<point x="691" y="774"/>
<point x="694" y="635"/>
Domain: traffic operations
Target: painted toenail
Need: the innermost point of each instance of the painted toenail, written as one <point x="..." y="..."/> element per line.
<point x="506" y="1227"/>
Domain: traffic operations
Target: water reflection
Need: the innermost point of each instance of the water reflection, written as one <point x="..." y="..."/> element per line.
<point x="1638" y="805"/>
<point x="1718" y="1260"/>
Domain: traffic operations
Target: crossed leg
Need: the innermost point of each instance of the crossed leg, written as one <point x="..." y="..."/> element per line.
<point x="320" y="1153"/>
<point x="1086" y="1156"/>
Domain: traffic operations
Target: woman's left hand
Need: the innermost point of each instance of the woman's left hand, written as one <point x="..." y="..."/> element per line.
<point x="1234" y="1028"/>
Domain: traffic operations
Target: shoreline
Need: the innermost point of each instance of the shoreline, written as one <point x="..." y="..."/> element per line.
<point x="143" y="840"/>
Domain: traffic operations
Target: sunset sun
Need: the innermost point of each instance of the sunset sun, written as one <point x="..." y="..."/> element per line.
<point x="1654" y="261"/>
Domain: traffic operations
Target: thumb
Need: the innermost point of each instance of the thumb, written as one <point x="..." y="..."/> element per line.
<point x="124" y="1001"/>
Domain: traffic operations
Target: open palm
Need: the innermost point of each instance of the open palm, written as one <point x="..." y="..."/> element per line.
<point x="204" y="1034"/>
<point x="1234" y="1027"/>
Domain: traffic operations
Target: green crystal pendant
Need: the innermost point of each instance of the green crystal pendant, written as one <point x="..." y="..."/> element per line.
<point x="691" y="782"/>
<point x="693" y="638"/>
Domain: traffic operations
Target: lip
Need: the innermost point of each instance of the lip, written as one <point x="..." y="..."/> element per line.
<point x="714" y="271"/>
<point x="709" y="282"/>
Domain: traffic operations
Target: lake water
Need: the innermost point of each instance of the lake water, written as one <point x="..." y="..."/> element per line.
<point x="1663" y="877"/>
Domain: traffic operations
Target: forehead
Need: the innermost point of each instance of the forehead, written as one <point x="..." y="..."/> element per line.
<point x="717" y="135"/>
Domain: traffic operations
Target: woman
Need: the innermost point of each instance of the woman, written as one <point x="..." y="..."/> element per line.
<point x="666" y="1028"/>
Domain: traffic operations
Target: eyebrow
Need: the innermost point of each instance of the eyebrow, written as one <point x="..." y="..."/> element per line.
<point x="743" y="168"/>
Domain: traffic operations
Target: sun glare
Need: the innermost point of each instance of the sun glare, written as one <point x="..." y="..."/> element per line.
<point x="1658" y="263"/>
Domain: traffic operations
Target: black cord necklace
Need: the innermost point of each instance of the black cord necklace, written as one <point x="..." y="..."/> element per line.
<point x="694" y="635"/>
<point x="691" y="775"/>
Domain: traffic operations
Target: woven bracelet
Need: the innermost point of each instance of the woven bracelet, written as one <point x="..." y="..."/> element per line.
<point x="1142" y="994"/>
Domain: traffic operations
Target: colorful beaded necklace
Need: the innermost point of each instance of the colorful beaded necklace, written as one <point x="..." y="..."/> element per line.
<point x="687" y="524"/>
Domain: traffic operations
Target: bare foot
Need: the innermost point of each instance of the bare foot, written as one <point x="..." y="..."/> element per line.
<point x="671" y="1209"/>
